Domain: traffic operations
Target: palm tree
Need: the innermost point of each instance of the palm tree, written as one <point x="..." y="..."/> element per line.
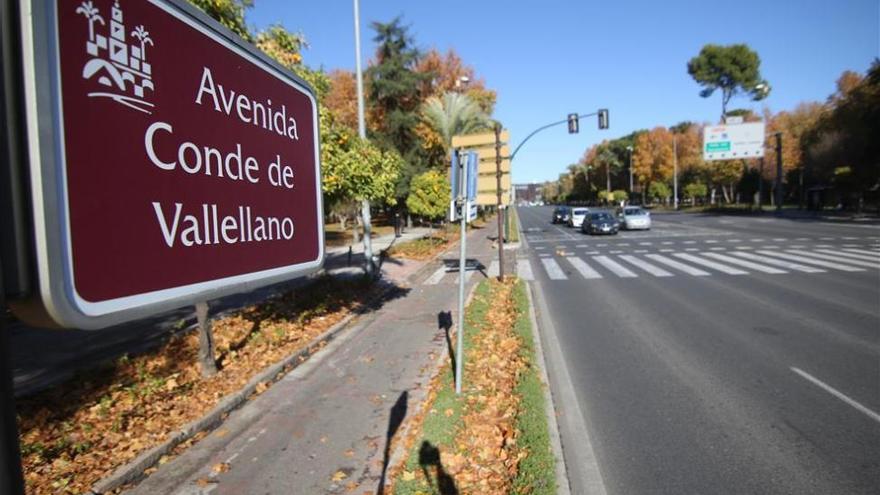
<point x="454" y="114"/>
<point x="88" y="9"/>
<point x="144" y="36"/>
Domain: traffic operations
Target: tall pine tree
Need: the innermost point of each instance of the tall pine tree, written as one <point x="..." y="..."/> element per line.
<point x="394" y="86"/>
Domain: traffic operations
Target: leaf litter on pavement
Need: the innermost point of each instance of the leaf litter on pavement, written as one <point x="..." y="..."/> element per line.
<point x="80" y="431"/>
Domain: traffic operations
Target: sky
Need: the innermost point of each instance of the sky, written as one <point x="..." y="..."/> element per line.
<point x="550" y="58"/>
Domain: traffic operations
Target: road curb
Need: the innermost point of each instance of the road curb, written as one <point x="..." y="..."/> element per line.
<point x="134" y="470"/>
<point x="584" y="476"/>
<point x="562" y="484"/>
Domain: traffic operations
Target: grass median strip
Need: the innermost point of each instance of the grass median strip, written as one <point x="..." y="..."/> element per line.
<point x="494" y="437"/>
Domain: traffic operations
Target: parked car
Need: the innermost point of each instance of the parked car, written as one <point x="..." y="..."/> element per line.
<point x="600" y="222"/>
<point x="633" y="218"/>
<point x="560" y="214"/>
<point x="576" y="218"/>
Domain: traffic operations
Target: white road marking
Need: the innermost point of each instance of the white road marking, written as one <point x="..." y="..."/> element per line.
<point x="583" y="268"/>
<point x="545" y="255"/>
<point x="591" y="252"/>
<point x="524" y="270"/>
<point x="776" y="262"/>
<point x="640" y="251"/>
<point x="689" y="242"/>
<point x="716" y="248"/>
<point x="861" y="251"/>
<point x="865" y="257"/>
<point x="678" y="266"/>
<point x="712" y="241"/>
<point x="811" y="261"/>
<point x="436" y="276"/>
<point x="623" y="244"/>
<point x="582" y="245"/>
<point x="850" y="238"/>
<point x="744" y="247"/>
<point x="758" y="240"/>
<point x="645" y="243"/>
<point x="747" y="264"/>
<point x="615" y="251"/>
<point x="692" y="249"/>
<point x="538" y="248"/>
<point x="836" y="259"/>
<point x="779" y="239"/>
<point x="797" y="246"/>
<point x="666" y="243"/>
<point x="840" y="395"/>
<point x="666" y="250"/>
<point x="554" y="271"/>
<point x="493" y="269"/>
<point x="826" y="238"/>
<point x="616" y="268"/>
<point x="644" y="265"/>
<point x="770" y="247"/>
<point x="823" y="246"/>
<point x="734" y="240"/>
<point x="711" y="264"/>
<point x="802" y="239"/>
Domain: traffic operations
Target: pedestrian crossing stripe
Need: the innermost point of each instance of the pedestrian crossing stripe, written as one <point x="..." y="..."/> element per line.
<point x="706" y="263"/>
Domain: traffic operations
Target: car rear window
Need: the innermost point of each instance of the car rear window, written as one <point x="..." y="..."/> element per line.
<point x="634" y="211"/>
<point x="580" y="211"/>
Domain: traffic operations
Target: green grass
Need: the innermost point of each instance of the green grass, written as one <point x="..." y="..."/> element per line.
<point x="438" y="429"/>
<point x="512" y="226"/>
<point x="537" y="472"/>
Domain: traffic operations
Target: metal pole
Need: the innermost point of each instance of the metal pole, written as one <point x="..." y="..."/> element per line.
<point x="498" y="202"/>
<point x="462" y="205"/>
<point x="630" y="173"/>
<point x="675" y="172"/>
<point x="362" y="132"/>
<point x="801" y="187"/>
<point x="778" y="172"/>
<point x="761" y="185"/>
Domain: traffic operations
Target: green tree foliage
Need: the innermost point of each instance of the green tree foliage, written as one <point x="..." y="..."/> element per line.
<point x="353" y="168"/>
<point x="429" y="195"/>
<point x="695" y="190"/>
<point x="454" y="114"/>
<point x="734" y="69"/>
<point x="394" y="88"/>
<point x="230" y="13"/>
<point x="659" y="190"/>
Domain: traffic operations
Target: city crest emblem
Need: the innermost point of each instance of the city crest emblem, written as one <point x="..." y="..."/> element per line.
<point x="114" y="63"/>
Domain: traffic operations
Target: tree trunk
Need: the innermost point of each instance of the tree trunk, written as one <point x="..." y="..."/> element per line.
<point x="342" y="221"/>
<point x="206" y="341"/>
<point x="408" y="220"/>
<point x="726" y="196"/>
<point x="355" y="230"/>
<point x="712" y="196"/>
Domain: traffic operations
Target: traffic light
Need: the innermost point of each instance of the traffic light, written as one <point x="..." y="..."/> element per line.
<point x="603" y="118"/>
<point x="573" y="123"/>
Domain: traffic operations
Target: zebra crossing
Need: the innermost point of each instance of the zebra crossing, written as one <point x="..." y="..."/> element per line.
<point x="673" y="263"/>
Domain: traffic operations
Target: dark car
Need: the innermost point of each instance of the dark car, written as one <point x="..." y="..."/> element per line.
<point x="561" y="214"/>
<point x="600" y="222"/>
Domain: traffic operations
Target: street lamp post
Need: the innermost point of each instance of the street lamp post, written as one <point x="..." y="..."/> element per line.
<point x="630" y="150"/>
<point x="362" y="132"/>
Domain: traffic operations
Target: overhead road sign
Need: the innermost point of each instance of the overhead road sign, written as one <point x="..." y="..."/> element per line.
<point x="733" y="141"/>
<point x="168" y="163"/>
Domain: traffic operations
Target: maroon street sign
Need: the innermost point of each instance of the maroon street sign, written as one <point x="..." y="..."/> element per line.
<point x="169" y="162"/>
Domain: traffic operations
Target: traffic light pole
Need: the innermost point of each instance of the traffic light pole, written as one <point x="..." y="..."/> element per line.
<point x="461" y="202"/>
<point x="778" y="190"/>
<point x="498" y="202"/>
<point x="539" y="129"/>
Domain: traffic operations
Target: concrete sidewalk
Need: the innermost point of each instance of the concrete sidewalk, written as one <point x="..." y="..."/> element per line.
<point x="327" y="427"/>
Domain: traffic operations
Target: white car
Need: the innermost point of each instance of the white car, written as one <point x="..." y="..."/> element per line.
<point x="635" y="218"/>
<point x="577" y="217"/>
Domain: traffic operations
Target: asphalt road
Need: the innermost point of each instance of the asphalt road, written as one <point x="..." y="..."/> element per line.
<point x="718" y="354"/>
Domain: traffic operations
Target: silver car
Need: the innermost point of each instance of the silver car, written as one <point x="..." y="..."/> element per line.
<point x="635" y="218"/>
<point x="577" y="217"/>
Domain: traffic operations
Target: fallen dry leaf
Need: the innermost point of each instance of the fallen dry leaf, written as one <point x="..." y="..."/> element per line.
<point x="338" y="476"/>
<point x="220" y="467"/>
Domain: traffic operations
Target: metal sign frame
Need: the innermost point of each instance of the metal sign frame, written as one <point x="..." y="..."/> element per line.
<point x="54" y="300"/>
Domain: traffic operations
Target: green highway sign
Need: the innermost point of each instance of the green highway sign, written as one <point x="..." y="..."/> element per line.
<point x="720" y="146"/>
